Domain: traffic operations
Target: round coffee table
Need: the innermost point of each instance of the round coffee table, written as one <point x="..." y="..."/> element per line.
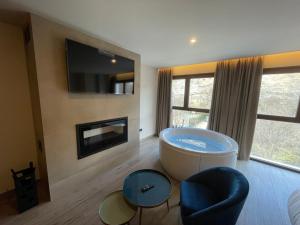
<point x="147" y="189"/>
<point x="114" y="210"/>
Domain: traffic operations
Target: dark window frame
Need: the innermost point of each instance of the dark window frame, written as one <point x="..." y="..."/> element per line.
<point x="187" y="79"/>
<point x="266" y="71"/>
<point x="295" y="119"/>
<point x="281" y="70"/>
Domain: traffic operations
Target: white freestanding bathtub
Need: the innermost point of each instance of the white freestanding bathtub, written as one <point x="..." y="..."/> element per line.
<point x="186" y="151"/>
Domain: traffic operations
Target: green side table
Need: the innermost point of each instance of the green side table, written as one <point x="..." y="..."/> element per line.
<point x="114" y="210"/>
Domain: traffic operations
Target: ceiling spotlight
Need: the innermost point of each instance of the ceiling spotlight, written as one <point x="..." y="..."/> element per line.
<point x="113" y="61"/>
<point x="193" y="40"/>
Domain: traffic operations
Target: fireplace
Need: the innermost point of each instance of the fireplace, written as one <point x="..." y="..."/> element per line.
<point x="98" y="136"/>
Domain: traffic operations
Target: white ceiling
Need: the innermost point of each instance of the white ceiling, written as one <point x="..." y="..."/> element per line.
<point x="159" y="30"/>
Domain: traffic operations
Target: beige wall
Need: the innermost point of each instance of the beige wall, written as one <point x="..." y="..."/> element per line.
<point x="17" y="133"/>
<point x="37" y="118"/>
<point x="61" y="110"/>
<point x="270" y="61"/>
<point x="148" y="100"/>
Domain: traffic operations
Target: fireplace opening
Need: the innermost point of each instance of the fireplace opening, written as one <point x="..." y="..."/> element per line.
<point x="98" y="136"/>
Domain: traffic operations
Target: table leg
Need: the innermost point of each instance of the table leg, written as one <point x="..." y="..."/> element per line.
<point x="140" y="219"/>
<point x="168" y="205"/>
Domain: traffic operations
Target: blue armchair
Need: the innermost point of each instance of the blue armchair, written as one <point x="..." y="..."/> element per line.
<point x="213" y="197"/>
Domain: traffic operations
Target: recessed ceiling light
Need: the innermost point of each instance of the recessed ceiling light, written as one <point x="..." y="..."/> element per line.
<point x="193" y="40"/>
<point x="113" y="61"/>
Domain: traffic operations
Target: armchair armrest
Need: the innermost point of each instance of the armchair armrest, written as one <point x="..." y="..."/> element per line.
<point x="217" y="214"/>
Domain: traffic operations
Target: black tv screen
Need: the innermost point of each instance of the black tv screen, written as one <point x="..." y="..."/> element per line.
<point x="97" y="71"/>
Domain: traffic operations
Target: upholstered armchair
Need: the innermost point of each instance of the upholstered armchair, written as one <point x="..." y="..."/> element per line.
<point x="213" y="197"/>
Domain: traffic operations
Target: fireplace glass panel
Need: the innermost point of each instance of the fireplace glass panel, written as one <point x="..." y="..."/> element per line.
<point x="98" y="136"/>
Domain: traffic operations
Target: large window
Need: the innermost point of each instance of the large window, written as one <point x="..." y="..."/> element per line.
<point x="183" y="118"/>
<point x="178" y="87"/>
<point x="277" y="129"/>
<point x="200" y="92"/>
<point x="191" y="99"/>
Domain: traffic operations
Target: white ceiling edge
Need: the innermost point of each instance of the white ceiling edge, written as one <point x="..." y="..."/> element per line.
<point x="224" y="30"/>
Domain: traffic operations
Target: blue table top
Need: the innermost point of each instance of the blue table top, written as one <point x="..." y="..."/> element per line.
<point x="136" y="181"/>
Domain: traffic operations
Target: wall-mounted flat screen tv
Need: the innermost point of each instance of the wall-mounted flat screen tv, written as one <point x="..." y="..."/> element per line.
<point x="93" y="70"/>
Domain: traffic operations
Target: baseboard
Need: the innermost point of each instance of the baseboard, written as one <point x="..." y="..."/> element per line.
<point x="147" y="137"/>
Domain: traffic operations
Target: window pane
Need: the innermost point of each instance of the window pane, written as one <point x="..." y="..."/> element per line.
<point x="277" y="141"/>
<point x="201" y="92"/>
<point x="178" y="87"/>
<point x="279" y="94"/>
<point x="182" y="118"/>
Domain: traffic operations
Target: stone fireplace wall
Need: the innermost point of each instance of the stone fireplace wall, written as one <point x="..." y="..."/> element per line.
<point x="61" y="111"/>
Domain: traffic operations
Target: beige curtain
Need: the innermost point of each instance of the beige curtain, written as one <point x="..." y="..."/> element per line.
<point x="163" y="112"/>
<point x="235" y="100"/>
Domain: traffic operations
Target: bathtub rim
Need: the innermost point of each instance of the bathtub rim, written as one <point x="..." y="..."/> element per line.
<point x="229" y="140"/>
